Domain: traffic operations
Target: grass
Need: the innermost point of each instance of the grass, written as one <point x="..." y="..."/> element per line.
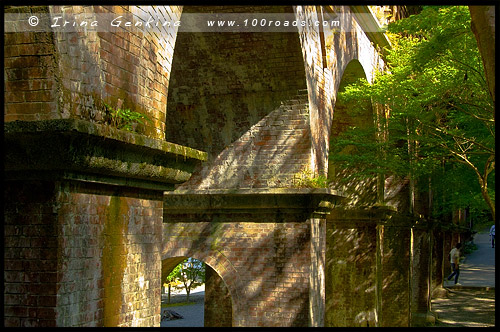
<point x="167" y="305"/>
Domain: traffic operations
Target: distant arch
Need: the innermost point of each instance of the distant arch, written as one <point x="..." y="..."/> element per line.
<point x="217" y="262"/>
<point x="348" y="114"/>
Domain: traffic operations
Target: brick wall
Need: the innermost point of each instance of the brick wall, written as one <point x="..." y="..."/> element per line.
<point x="265" y="266"/>
<point x="394" y="276"/>
<point x="270" y="154"/>
<point x="72" y="74"/>
<point x="30" y="254"/>
<point x="218" y="305"/>
<point x="89" y="256"/>
<point x="378" y="270"/>
<point x="110" y="244"/>
<point x="30" y="73"/>
<point x="420" y="275"/>
<point x="221" y="84"/>
<point x="240" y="97"/>
<point x="351" y="298"/>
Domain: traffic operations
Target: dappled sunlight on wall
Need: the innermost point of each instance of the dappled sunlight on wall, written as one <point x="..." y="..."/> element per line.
<point x="349" y="114"/>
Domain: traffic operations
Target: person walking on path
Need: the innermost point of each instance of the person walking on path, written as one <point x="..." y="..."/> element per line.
<point x="473" y="303"/>
<point x="478" y="267"/>
<point x="492" y="234"/>
<point x="455" y="263"/>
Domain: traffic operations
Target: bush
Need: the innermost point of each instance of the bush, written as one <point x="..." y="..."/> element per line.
<point x="469" y="247"/>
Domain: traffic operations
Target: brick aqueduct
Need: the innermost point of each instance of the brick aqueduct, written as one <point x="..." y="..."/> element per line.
<point x="96" y="217"/>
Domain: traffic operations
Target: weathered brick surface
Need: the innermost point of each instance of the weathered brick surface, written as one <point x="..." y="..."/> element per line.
<point x="325" y="65"/>
<point x="269" y="154"/>
<point x="351" y="274"/>
<point x="420" y="275"/>
<point x="394" y="276"/>
<point x="110" y="245"/>
<point x="438" y="256"/>
<point x="378" y="269"/>
<point x="89" y="256"/>
<point x="218" y="304"/>
<point x="30" y="73"/>
<point x="242" y="98"/>
<point x="72" y="74"/>
<point x="264" y="265"/>
<point x="30" y="254"/>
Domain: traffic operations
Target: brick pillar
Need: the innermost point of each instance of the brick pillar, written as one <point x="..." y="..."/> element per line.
<point x="394" y="275"/>
<point x="218" y="309"/>
<point x="420" y="278"/>
<point x="83" y="223"/>
<point x="317" y="272"/>
<point x="31" y="254"/>
<point x="437" y="262"/>
<point x="350" y="270"/>
<point x="110" y="267"/>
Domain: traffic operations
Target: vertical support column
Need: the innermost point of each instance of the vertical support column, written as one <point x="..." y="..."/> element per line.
<point x="109" y="264"/>
<point x="420" y="278"/>
<point x="317" y="273"/>
<point x="394" y="275"/>
<point x="351" y="271"/>
<point x="438" y="257"/>
<point x="218" y="310"/>
<point x="31" y="253"/>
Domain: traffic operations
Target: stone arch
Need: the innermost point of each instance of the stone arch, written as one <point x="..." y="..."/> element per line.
<point x="347" y="114"/>
<point x="223" y="84"/>
<point x="350" y="244"/>
<point x="215" y="260"/>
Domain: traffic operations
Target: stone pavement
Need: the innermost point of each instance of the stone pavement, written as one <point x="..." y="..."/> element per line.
<point x="472" y="304"/>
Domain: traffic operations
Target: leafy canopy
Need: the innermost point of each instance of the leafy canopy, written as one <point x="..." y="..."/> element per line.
<point x="439" y="117"/>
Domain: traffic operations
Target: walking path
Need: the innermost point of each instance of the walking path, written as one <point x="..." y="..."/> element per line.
<point x="478" y="269"/>
<point x="193" y="313"/>
<point x="472" y="304"/>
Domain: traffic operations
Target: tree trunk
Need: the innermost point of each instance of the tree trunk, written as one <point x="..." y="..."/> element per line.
<point x="483" y="27"/>
<point x="487" y="198"/>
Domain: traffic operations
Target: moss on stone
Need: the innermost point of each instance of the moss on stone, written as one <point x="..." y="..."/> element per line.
<point x="114" y="258"/>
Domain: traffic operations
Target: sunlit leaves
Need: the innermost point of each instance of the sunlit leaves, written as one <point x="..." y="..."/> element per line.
<point x="440" y="109"/>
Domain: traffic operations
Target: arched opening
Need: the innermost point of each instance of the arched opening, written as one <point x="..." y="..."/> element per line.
<point x="221" y="84"/>
<point x="350" y="114"/>
<point x="206" y="304"/>
<point x="350" y="244"/>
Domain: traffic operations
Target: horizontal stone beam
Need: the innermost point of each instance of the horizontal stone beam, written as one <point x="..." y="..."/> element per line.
<point x="370" y="26"/>
<point x="90" y="152"/>
<point x="269" y="205"/>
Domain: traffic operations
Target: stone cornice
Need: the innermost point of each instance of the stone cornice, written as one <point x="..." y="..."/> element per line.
<point x="90" y="152"/>
<point x="281" y="204"/>
<point x="371" y="27"/>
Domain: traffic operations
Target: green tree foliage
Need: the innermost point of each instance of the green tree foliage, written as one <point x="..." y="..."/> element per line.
<point x="188" y="274"/>
<point x="438" y="122"/>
